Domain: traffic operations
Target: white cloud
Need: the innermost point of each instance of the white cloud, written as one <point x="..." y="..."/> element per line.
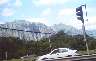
<point x="1" y="22"/>
<point x="7" y="12"/>
<point x="65" y="14"/>
<point x="68" y="17"/>
<point x="91" y="21"/>
<point x="46" y="12"/>
<point x="66" y="11"/>
<point x="18" y="3"/>
<point x="48" y="2"/>
<point x="32" y="19"/>
<point x="89" y="25"/>
<point x="3" y="2"/>
<point x="70" y="13"/>
<point x="75" y="23"/>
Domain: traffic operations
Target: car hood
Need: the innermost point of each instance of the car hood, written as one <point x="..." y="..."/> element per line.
<point x="74" y="50"/>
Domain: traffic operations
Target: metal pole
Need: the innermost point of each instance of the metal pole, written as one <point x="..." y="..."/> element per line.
<point x="84" y="33"/>
<point x="37" y="42"/>
<point x="85" y="40"/>
<point x="6" y="55"/>
<point x="50" y="43"/>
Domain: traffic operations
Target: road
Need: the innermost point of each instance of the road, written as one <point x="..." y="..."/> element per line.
<point x="76" y="58"/>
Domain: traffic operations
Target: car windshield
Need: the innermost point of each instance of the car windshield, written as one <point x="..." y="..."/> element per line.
<point x="55" y="51"/>
<point x="63" y="50"/>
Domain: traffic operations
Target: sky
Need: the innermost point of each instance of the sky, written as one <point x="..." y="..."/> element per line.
<point x="48" y="12"/>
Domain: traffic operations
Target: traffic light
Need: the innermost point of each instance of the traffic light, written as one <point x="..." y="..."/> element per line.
<point x="79" y="13"/>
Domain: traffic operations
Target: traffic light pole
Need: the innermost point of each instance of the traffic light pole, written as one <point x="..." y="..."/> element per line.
<point x="85" y="39"/>
<point x="84" y="33"/>
<point x="79" y="14"/>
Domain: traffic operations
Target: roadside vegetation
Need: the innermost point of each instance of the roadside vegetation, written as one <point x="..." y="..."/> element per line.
<point x="17" y="48"/>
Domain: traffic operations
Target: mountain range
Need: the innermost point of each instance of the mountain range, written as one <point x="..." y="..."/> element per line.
<point x="42" y="28"/>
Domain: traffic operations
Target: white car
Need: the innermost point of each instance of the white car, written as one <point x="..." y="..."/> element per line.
<point x="58" y="54"/>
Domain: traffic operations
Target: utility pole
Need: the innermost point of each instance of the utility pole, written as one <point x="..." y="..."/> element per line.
<point x="6" y="54"/>
<point x="50" y="42"/>
<point x="79" y="14"/>
<point x="37" y="46"/>
<point x="50" y="45"/>
<point x="85" y="39"/>
<point x="84" y="33"/>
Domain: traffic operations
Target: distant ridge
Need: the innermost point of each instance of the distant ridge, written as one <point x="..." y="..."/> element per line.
<point x="36" y="26"/>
